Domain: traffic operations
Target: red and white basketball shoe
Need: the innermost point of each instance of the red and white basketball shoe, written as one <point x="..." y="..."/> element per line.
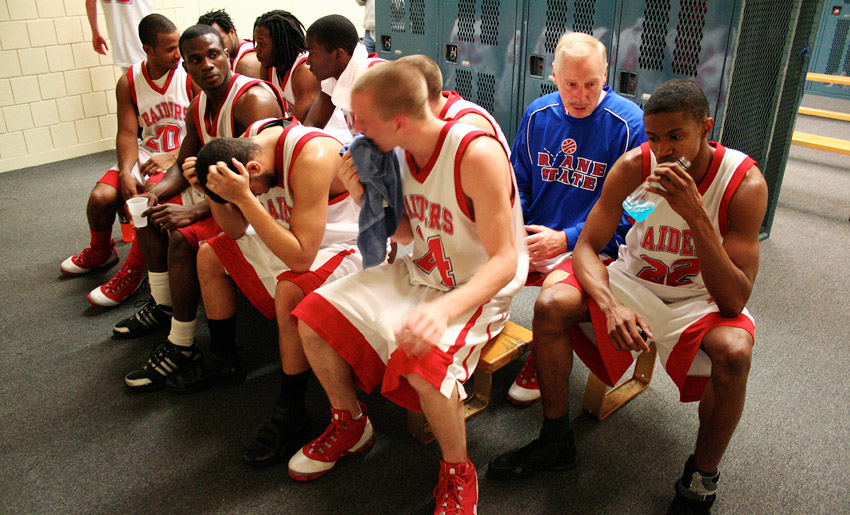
<point x="89" y="259"/>
<point x="457" y="491"/>
<point x="123" y="284"/>
<point x="344" y="436"/>
<point x="526" y="389"/>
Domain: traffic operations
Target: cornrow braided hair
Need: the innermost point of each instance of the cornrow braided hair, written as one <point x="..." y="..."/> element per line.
<point x="220" y="17"/>
<point x="287" y="34"/>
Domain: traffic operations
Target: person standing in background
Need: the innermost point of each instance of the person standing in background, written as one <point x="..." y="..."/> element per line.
<point x="368" y="24"/>
<point x="122" y="19"/>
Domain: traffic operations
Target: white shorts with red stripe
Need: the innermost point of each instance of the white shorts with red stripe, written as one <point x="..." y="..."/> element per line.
<point x="256" y="270"/>
<point x="678" y="329"/>
<point x="359" y="315"/>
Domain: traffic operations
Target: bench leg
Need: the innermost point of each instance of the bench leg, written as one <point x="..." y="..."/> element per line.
<point x="601" y="402"/>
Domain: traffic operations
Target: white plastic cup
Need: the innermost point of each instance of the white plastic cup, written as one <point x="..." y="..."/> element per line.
<point x="136" y="206"/>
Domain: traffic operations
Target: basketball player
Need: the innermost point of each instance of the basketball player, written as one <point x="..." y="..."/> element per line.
<point x="418" y="325"/>
<point x="227" y="105"/>
<point x="449" y="105"/>
<point x="153" y="96"/>
<point x="279" y="37"/>
<point x="336" y="58"/>
<point x="302" y="234"/>
<point x="682" y="280"/>
<point x="243" y="58"/>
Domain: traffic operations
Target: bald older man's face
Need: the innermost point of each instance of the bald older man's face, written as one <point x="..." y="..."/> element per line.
<point x="580" y="81"/>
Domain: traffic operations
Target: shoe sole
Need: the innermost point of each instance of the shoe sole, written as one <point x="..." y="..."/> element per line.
<point x="145" y="388"/>
<point x="522" y="404"/>
<point x="310" y="477"/>
<point x="503" y="474"/>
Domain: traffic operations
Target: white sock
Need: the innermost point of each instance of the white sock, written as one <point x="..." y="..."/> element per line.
<point x="160" y="289"/>
<point x="182" y="333"/>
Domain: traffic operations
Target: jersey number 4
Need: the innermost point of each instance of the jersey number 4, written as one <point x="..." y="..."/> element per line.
<point x="436" y="258"/>
<point x="166" y="139"/>
<point x="678" y="274"/>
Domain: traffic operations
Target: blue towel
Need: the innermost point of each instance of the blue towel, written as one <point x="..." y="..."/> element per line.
<point x="382" y="207"/>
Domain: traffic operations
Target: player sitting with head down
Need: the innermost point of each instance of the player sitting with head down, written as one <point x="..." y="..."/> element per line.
<point x="302" y="234"/>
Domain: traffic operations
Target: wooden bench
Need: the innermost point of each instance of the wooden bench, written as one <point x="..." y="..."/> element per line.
<point x="825" y="143"/>
<point x="511" y="344"/>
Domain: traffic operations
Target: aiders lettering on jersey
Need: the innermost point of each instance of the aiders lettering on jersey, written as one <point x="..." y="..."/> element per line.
<point x="673" y="241"/>
<point x="283" y="211"/>
<point x="571" y="169"/>
<point x="432" y="215"/>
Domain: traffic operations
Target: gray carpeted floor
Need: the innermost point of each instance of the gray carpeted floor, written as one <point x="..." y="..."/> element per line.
<point x="74" y="439"/>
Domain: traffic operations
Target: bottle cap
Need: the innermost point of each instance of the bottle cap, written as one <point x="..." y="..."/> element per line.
<point x="683" y="162"/>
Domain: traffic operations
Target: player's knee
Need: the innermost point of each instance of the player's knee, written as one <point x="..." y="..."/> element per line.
<point x="420" y="385"/>
<point x="104" y="197"/>
<point x="179" y="246"/>
<point x="286" y="298"/>
<point x="558" y="305"/>
<point x="734" y="356"/>
<point x="310" y="339"/>
<point x="208" y="263"/>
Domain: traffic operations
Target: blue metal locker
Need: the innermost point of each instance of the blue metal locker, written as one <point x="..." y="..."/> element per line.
<point x="479" y="44"/>
<point x="831" y="53"/>
<point x="405" y="27"/>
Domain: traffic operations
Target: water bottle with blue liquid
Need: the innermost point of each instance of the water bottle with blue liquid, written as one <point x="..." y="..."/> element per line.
<point x="640" y="203"/>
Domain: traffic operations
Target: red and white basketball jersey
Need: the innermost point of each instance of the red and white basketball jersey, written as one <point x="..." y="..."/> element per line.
<point x="221" y="124"/>
<point x="457" y="107"/>
<point x="660" y="250"/>
<point x="447" y="248"/>
<point x="343" y="213"/>
<point x="284" y="85"/>
<point x="162" y="109"/>
<point x="245" y="47"/>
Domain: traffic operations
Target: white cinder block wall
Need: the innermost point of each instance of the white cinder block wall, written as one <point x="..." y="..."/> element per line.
<point x="57" y="97"/>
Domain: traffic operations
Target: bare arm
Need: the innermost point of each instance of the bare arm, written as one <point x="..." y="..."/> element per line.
<point x="126" y="140"/>
<point x="306" y="89"/>
<point x="320" y="112"/>
<point x="729" y="267"/>
<point x="255" y="104"/>
<point x="98" y="42"/>
<point x="622" y="322"/>
<point x="487" y="182"/>
<point x="249" y="65"/>
<point x="173" y="182"/>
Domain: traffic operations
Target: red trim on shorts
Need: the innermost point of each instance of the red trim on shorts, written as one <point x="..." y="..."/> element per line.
<point x="243" y="274"/>
<point x="338" y="332"/>
<point x="609" y="364"/>
<point x="431" y="367"/>
<point x="683" y="353"/>
<point x="737" y="176"/>
<point x="202" y="230"/>
<point x="461" y="149"/>
<point x="110" y="178"/>
<point x="310" y="281"/>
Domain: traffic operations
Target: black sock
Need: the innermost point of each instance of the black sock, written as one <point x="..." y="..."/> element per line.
<point x="293" y="388"/>
<point x="223" y="336"/>
<point x="556" y="429"/>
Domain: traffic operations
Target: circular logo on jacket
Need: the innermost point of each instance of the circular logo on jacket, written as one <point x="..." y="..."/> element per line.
<point x="568" y="146"/>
